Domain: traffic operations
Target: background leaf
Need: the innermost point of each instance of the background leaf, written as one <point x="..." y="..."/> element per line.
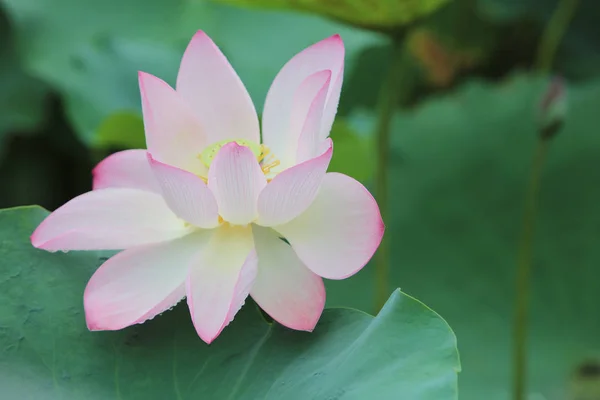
<point x="22" y="97"/>
<point x="92" y="58"/>
<point x="354" y="153"/>
<point x="47" y="352"/>
<point x="121" y="130"/>
<point x="373" y="14"/>
<point x="460" y="169"/>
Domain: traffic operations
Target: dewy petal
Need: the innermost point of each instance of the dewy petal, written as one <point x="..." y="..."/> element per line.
<point x="216" y="94"/>
<point x="284" y="288"/>
<point x="292" y="191"/>
<point x="173" y="135"/>
<point x="220" y="280"/>
<point x="326" y="55"/>
<point x="236" y="180"/>
<point x="109" y="219"/>
<point x="137" y="284"/>
<point x="186" y="194"/>
<point x="339" y="233"/>
<point x="125" y="169"/>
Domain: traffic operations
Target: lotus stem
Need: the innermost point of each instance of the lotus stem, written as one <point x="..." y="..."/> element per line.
<point x="389" y="97"/>
<point x="551" y="39"/>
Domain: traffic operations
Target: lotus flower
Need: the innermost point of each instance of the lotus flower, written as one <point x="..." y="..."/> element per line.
<point x="210" y="214"/>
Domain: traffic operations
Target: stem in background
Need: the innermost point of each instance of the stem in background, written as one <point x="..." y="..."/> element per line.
<point x="389" y="97"/>
<point x="523" y="282"/>
<point x="551" y="38"/>
<point x="553" y="34"/>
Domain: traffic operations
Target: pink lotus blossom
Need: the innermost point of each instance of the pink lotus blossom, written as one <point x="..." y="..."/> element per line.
<point x="202" y="212"/>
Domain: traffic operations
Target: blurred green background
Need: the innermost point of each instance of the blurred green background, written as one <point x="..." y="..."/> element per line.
<point x="461" y="145"/>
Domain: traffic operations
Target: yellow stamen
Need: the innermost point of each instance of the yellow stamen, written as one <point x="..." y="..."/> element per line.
<point x="209" y="153"/>
<point x="267" y="168"/>
<point x="264" y="152"/>
<point x="261" y="152"/>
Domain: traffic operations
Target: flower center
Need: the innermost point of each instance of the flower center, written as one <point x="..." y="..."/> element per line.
<point x="262" y="153"/>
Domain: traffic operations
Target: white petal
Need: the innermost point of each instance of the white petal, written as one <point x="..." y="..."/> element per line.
<point x="220" y="280"/>
<point x="339" y="233"/>
<point x="186" y="194"/>
<point x="284" y="288"/>
<point x="125" y="169"/>
<point x="292" y="191"/>
<point x="137" y="284"/>
<point x="236" y="180"/>
<point x="218" y="97"/>
<point x="109" y="219"/>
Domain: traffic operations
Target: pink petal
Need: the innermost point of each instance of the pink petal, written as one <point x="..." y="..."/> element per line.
<point x="308" y="104"/>
<point x="220" y="280"/>
<point x="110" y="219"/>
<point x="280" y="126"/>
<point x="284" y="288"/>
<point x="292" y="191"/>
<point x="218" y="97"/>
<point x="173" y="135"/>
<point x="339" y="233"/>
<point x="137" y="284"/>
<point x="186" y="194"/>
<point x="125" y="169"/>
<point x="310" y="144"/>
<point x="236" y="180"/>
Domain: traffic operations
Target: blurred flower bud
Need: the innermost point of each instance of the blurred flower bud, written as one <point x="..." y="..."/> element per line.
<point x="552" y="108"/>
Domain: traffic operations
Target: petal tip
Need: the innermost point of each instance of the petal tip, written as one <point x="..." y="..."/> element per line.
<point x="335" y="40"/>
<point x="151" y="159"/>
<point x="200" y="34"/>
<point x="234" y="148"/>
<point x="39" y="242"/>
<point x="92" y="324"/>
<point x="200" y="38"/>
<point x="206" y="339"/>
<point x="142" y="76"/>
<point x="311" y="323"/>
<point x="34" y="239"/>
<point x="146" y="79"/>
<point x="312" y="327"/>
<point x="92" y="327"/>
